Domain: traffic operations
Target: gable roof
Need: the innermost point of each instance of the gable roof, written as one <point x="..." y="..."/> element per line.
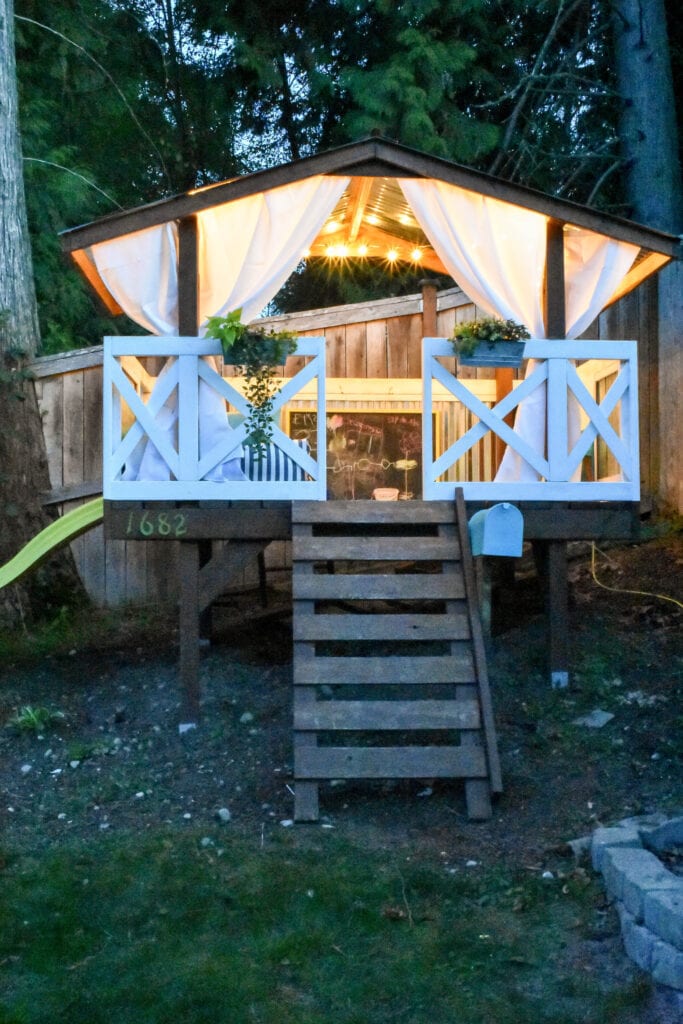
<point x="374" y="200"/>
<point x="370" y="158"/>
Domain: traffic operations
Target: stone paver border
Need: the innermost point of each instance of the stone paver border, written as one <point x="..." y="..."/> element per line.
<point x="649" y="897"/>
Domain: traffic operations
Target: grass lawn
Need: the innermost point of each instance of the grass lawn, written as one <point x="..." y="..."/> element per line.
<point x="204" y="928"/>
<point x="123" y="900"/>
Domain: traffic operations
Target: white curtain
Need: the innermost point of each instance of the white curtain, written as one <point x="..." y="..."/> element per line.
<point x="141" y="272"/>
<point x="595" y="266"/>
<point x="248" y="248"/>
<point x="496" y="252"/>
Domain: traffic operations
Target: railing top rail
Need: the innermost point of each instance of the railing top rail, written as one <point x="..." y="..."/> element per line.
<point x="554" y="348"/>
<point x="172" y="345"/>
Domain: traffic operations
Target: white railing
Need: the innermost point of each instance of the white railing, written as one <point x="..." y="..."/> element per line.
<point x="169" y="437"/>
<point x="559" y="452"/>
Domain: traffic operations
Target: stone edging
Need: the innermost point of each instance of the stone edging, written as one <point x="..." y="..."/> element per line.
<point x="649" y="898"/>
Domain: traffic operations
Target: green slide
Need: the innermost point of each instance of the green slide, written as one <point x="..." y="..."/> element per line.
<point x="53" y="536"/>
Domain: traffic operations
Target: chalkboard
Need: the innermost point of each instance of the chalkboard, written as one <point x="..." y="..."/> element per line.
<point x="367" y="450"/>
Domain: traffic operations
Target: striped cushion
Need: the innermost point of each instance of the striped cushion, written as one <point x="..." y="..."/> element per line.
<point x="273" y="464"/>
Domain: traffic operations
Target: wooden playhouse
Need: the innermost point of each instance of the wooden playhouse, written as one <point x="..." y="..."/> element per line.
<point x="361" y="419"/>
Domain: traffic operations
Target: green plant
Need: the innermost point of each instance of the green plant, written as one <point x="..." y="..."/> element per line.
<point x="466" y="336"/>
<point x="35" y="719"/>
<point x="256" y="353"/>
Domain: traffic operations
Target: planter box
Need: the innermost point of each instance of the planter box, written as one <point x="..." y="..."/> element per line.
<point x="499" y="353"/>
<point x="267" y="350"/>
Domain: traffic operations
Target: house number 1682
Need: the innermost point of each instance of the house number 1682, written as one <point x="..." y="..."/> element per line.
<point x="156" y="524"/>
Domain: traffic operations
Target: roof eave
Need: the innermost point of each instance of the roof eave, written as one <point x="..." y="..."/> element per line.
<point x="369" y="157"/>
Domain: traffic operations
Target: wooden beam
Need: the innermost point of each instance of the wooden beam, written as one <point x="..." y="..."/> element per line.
<point x="67" y="362"/>
<point x="358" y="200"/>
<point x="89" y="271"/>
<point x="188" y="278"/>
<point x="219" y="520"/>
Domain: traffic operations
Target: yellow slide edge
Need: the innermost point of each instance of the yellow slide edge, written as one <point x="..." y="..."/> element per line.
<point x="53" y="536"/>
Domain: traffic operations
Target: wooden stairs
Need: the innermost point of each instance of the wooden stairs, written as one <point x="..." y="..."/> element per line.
<point x="387" y="639"/>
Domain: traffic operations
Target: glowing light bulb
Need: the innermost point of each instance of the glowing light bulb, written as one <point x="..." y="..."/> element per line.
<point x="332" y="225"/>
<point x="362" y="250"/>
<point x="305" y="254"/>
<point x="392" y="255"/>
<point x="342" y="252"/>
<point x="416" y="255"/>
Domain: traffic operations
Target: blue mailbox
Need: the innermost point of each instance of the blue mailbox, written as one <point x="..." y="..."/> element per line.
<point x="498" y="530"/>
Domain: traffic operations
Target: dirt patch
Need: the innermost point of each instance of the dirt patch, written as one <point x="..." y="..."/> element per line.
<point x="116" y="760"/>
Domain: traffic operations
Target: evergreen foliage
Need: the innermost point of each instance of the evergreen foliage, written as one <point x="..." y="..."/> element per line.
<point x="128" y="101"/>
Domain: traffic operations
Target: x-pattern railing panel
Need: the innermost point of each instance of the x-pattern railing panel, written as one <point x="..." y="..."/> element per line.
<point x="564" y="396"/>
<point x="188" y="385"/>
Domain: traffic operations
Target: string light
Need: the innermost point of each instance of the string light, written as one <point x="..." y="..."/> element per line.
<point x="342" y="251"/>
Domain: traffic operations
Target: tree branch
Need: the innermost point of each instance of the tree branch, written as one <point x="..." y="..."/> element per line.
<point x="89" y="56"/>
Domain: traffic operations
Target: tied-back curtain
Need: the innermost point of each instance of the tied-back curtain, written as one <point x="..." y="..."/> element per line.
<point x="247" y="250"/>
<point x="594" y="267"/>
<point x="141" y="271"/>
<point x="494" y="250"/>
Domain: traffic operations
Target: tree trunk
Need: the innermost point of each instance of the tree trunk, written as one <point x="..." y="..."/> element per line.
<point x="24" y="476"/>
<point x="648" y="128"/>
<point x="649" y="137"/>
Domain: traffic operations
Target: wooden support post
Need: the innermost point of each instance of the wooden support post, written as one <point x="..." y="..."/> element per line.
<point x="550" y="557"/>
<point x="189" y="633"/>
<point x="504" y="377"/>
<point x="555" y="555"/>
<point x="428" y="286"/>
<point x="205" y="615"/>
<point x="558" y="613"/>
<point x="188" y="325"/>
<point x="262" y="580"/>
